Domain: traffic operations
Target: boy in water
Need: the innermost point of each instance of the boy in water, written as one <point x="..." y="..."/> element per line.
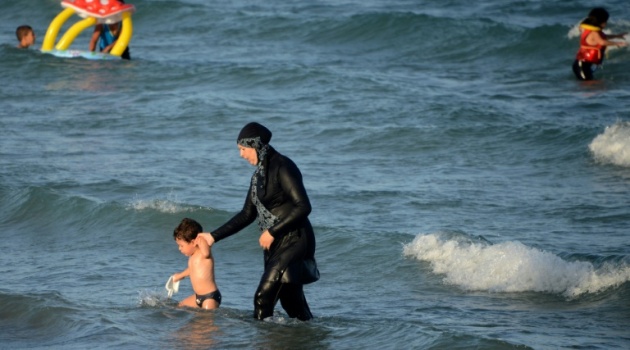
<point x="25" y="35"/>
<point x="593" y="43"/>
<point x="200" y="266"/>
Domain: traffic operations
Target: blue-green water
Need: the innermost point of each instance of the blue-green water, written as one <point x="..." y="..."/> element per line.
<point x="468" y="192"/>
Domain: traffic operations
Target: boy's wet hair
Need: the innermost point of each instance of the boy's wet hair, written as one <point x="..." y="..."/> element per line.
<point x="22" y="31"/>
<point x="187" y="230"/>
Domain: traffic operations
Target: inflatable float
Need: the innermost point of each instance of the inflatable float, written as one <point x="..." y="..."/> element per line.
<point x="93" y="12"/>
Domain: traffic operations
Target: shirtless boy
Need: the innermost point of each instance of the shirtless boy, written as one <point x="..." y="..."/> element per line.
<point x="200" y="266"/>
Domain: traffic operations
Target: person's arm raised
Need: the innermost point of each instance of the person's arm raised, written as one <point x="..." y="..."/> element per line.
<point x="204" y="246"/>
<point x="207" y="237"/>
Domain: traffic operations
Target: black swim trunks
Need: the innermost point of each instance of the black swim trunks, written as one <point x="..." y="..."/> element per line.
<point x="583" y="70"/>
<point x="216" y="295"/>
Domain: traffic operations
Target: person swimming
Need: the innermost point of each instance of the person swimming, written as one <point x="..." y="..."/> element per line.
<point x="25" y="36"/>
<point x="593" y="43"/>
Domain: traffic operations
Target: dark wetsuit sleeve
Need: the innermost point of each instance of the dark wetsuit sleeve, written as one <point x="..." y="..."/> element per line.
<point x="238" y="222"/>
<point x="290" y="180"/>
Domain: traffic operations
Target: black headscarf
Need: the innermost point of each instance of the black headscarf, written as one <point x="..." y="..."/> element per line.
<point x="251" y="132"/>
<point x="254" y="135"/>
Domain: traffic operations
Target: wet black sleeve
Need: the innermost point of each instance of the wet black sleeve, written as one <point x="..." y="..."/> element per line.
<point x="242" y="219"/>
<point x="290" y="181"/>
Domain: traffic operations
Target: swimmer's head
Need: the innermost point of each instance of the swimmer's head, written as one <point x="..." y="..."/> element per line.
<point x="187" y="230"/>
<point x="23" y="31"/>
<point x="599" y="16"/>
<point x="254" y="135"/>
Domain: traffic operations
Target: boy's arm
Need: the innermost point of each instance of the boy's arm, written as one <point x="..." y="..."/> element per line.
<point x="115" y="33"/>
<point x="204" y="248"/>
<point x="94" y="39"/>
<point x="207" y="237"/>
<point x="595" y="38"/>
<point x="617" y="36"/>
<point x="181" y="275"/>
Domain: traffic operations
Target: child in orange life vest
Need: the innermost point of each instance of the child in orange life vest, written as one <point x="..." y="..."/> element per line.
<point x="593" y="43"/>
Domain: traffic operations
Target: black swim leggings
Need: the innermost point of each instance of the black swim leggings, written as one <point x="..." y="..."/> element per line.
<point x="291" y="298"/>
<point x="583" y="70"/>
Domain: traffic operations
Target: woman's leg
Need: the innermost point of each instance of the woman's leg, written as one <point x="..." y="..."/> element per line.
<point x="291" y="298"/>
<point x="266" y="298"/>
<point x="294" y="302"/>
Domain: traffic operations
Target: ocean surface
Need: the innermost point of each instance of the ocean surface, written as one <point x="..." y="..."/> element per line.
<point x="468" y="192"/>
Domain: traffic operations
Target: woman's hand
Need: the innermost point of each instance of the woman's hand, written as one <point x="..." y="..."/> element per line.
<point x="207" y="236"/>
<point x="265" y="240"/>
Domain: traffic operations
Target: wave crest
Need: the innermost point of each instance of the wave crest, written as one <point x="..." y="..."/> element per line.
<point x="512" y="267"/>
<point x="613" y="146"/>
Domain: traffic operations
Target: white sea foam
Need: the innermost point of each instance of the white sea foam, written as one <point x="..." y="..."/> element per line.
<point x="574" y="32"/>
<point x="511" y="267"/>
<point x="613" y="146"/>
<point x="169" y="205"/>
<point x="161" y="205"/>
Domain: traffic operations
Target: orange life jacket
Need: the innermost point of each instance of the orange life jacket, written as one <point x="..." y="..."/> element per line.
<point x="588" y="53"/>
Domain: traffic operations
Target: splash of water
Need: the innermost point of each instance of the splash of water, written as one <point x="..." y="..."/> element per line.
<point x="151" y="298"/>
<point x="613" y="146"/>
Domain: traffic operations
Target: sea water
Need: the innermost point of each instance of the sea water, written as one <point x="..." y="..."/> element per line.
<point x="467" y="191"/>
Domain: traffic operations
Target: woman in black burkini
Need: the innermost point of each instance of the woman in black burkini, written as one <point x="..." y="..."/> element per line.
<point x="278" y="199"/>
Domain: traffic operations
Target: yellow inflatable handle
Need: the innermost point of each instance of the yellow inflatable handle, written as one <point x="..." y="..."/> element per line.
<point x="53" y="29"/>
<point x="125" y="36"/>
<point x="71" y="34"/>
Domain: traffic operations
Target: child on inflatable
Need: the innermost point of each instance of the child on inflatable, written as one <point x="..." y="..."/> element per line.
<point x="106" y="36"/>
<point x="593" y="43"/>
<point x="25" y="35"/>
